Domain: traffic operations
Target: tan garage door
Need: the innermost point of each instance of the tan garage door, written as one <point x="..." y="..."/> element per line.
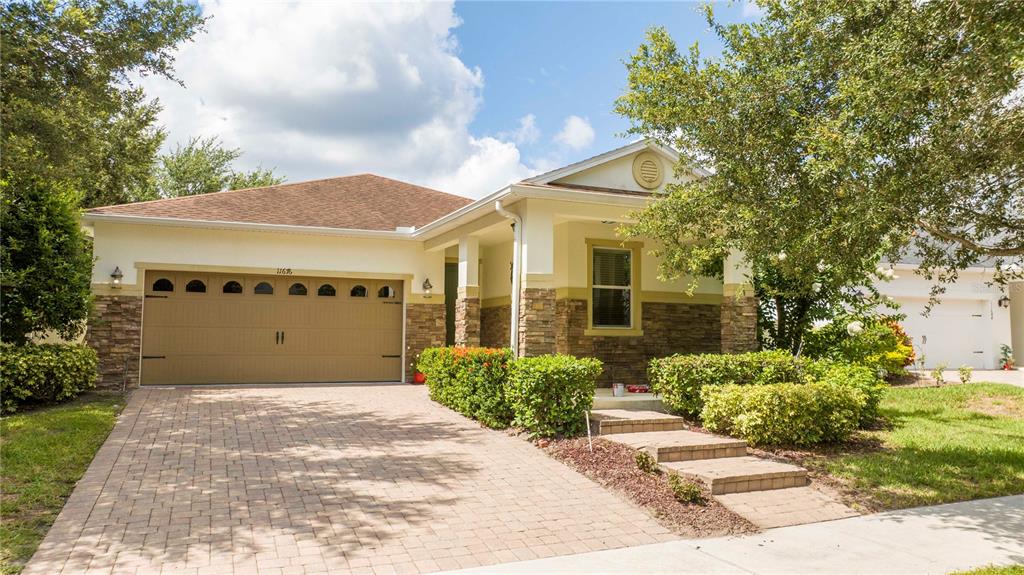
<point x="219" y="328"/>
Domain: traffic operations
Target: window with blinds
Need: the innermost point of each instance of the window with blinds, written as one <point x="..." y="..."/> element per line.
<point x="612" y="285"/>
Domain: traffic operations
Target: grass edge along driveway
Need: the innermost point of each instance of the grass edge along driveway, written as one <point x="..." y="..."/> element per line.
<point x="941" y="445"/>
<point x="43" y="453"/>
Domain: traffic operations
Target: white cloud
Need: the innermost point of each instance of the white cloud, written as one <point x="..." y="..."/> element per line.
<point x="752" y="10"/>
<point x="576" y="133"/>
<point x="324" y="89"/>
<point x="526" y="133"/>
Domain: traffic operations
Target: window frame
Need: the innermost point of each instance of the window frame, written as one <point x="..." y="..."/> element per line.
<point x="635" y="250"/>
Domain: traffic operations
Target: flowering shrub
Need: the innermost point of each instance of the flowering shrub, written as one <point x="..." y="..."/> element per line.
<point x="44" y="373"/>
<point x="470" y="380"/>
<point x="877" y="342"/>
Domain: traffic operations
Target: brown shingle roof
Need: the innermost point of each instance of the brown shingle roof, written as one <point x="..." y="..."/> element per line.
<point x="363" y="202"/>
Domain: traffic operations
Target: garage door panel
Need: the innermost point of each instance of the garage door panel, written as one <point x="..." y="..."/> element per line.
<point x="217" y="337"/>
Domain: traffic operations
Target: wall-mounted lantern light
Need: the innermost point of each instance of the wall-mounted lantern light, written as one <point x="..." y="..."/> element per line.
<point x="1004" y="301"/>
<point x="427" y="286"/>
<point x="115" y="278"/>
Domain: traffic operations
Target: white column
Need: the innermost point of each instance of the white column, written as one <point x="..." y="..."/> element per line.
<point x="469" y="265"/>
<point x="538" y="246"/>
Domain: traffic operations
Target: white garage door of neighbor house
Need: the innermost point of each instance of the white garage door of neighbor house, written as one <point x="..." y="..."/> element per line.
<point x="955" y="333"/>
<point x="230" y="328"/>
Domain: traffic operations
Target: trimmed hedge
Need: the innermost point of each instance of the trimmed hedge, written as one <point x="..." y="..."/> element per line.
<point x="784" y="413"/>
<point x="679" y="378"/>
<point x="44" y="373"/>
<point x="545" y="395"/>
<point x="470" y="380"/>
<point x="551" y="394"/>
<point x="862" y="377"/>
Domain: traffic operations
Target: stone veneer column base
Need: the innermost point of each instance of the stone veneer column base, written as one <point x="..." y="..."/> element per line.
<point x="424" y="327"/>
<point x="467" y="321"/>
<point x="536" y="321"/>
<point x="496" y="326"/>
<point x="739" y="324"/>
<point x="115" y="332"/>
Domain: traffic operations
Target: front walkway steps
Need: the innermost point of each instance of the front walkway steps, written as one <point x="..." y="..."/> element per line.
<point x="767" y="493"/>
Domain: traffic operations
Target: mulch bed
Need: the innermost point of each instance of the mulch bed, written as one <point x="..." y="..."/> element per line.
<point x="613" y="465"/>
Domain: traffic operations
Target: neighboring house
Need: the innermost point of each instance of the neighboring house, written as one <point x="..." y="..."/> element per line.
<point x="969" y="324"/>
<point x="349" y="279"/>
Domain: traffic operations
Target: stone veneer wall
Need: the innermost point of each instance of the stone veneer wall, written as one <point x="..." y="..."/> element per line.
<point x="495" y="326"/>
<point x="467" y="321"/>
<point x="424" y="327"/>
<point x="115" y="332"/>
<point x="537" y="321"/>
<point x="739" y="324"/>
<point x="668" y="328"/>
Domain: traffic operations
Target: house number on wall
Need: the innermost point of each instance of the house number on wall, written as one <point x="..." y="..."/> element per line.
<point x="284" y="271"/>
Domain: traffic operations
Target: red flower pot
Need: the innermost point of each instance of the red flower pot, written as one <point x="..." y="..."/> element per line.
<point x="419" y="378"/>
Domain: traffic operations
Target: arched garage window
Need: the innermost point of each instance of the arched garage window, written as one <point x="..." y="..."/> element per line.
<point x="163" y="284"/>
<point x="386" y="291"/>
<point x="326" y="290"/>
<point x="358" y="291"/>
<point x="195" y="286"/>
<point x="297" y="289"/>
<point x="263" y="288"/>
<point x="232" y="287"/>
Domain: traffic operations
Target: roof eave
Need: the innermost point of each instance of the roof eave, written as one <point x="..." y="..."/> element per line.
<point x="247" y="226"/>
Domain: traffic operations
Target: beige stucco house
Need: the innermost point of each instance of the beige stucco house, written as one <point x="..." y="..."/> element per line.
<point x="349" y="279"/>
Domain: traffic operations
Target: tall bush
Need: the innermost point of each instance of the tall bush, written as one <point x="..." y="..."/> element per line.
<point x="679" y="378"/>
<point x="784" y="413"/>
<point x="470" y="380"/>
<point x="551" y="394"/>
<point x="44" y="373"/>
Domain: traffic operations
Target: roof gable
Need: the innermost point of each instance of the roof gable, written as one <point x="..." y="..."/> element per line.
<point x="613" y="170"/>
<point x="361" y="202"/>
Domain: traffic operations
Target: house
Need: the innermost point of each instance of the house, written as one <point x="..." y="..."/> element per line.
<point x="968" y="325"/>
<point x="350" y="278"/>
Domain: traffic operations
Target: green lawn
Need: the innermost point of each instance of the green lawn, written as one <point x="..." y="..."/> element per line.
<point x="43" y="453"/>
<point x="991" y="570"/>
<point x="945" y="444"/>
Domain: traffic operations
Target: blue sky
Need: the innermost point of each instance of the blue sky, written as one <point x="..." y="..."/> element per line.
<point x="463" y="97"/>
<point x="559" y="59"/>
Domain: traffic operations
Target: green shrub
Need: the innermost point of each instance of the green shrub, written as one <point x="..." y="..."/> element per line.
<point x="679" y="378"/>
<point x="685" y="491"/>
<point x="645" y="462"/>
<point x="470" y="380"/>
<point x="882" y="344"/>
<point x="44" y="373"/>
<point x="551" y="394"/>
<point x="784" y="413"/>
<point x="861" y="377"/>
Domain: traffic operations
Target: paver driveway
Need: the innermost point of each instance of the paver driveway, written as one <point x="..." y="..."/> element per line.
<point x="320" y="479"/>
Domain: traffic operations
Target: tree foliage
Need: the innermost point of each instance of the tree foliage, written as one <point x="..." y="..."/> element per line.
<point x="840" y="132"/>
<point x="203" y="166"/>
<point x="70" y="111"/>
<point x="45" y="263"/>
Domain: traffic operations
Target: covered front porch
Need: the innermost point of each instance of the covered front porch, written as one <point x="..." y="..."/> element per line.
<point x="552" y="274"/>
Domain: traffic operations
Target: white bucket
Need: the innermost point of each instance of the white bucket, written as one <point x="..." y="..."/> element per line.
<point x="618" y="389"/>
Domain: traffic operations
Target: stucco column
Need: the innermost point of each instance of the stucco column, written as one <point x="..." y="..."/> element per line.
<point x="467" y="303"/>
<point x="537" y="318"/>
<point x="739" y="306"/>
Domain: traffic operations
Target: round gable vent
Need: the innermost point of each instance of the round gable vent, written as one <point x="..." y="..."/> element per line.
<point x="647" y="170"/>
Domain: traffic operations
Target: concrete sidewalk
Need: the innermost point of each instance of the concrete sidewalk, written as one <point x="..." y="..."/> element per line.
<point x="939" y="539"/>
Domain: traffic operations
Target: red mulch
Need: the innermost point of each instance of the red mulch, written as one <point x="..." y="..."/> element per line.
<point x="612" y="465"/>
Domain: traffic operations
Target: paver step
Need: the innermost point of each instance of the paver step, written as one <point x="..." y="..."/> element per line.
<point x="740" y="474"/>
<point x="783" y="507"/>
<point x="608" y="421"/>
<point x="681" y="445"/>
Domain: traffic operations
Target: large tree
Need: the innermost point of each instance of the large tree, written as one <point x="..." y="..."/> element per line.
<point x="70" y="111"/>
<point x="839" y="133"/>
<point x="203" y="166"/>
